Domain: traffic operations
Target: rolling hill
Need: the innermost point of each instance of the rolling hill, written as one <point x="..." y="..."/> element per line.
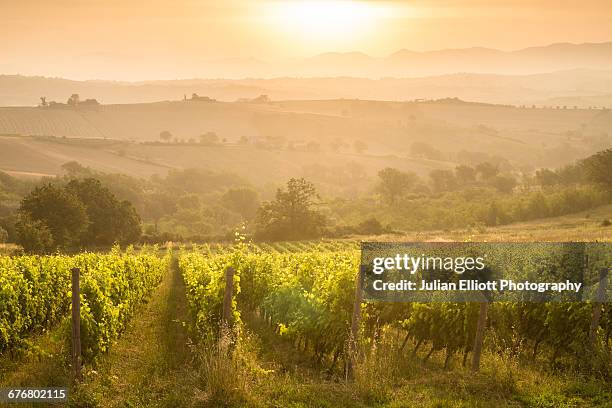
<point x="585" y="87"/>
<point x="264" y="168"/>
<point x="292" y="137"/>
<point x="339" y="145"/>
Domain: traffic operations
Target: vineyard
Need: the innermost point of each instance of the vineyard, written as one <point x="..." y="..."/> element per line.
<point x="35" y="294"/>
<point x="308" y="297"/>
<point x="297" y="333"/>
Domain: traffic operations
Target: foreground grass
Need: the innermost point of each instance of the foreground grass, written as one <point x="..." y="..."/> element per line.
<point x="281" y="376"/>
<point x="150" y="365"/>
<point x="42" y="362"/>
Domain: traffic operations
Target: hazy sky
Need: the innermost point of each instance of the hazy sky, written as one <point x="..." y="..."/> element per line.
<point x="145" y="39"/>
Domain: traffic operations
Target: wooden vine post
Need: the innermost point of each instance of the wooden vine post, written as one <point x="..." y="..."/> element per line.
<point x="597" y="305"/>
<point x="76" y="323"/>
<point x="355" y="322"/>
<point x="479" y="337"/>
<point x="224" y="343"/>
<point x="226" y="318"/>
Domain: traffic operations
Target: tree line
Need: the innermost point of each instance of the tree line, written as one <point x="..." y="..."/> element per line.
<point x="85" y="208"/>
<point x="81" y="213"/>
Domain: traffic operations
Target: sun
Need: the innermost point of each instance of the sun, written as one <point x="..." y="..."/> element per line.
<point x="329" y="21"/>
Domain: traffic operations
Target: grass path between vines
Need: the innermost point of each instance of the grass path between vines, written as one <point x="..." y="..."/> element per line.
<point x="150" y="365"/>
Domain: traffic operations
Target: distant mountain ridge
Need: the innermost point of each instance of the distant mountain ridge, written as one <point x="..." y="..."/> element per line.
<point x="575" y="74"/>
<point x="408" y="63"/>
<point x="405" y="63"/>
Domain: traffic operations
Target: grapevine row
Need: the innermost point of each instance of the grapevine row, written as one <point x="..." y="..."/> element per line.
<point x="308" y="296"/>
<point x="35" y="294"/>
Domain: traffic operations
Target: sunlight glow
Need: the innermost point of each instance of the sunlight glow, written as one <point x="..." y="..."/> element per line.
<point x="330" y="20"/>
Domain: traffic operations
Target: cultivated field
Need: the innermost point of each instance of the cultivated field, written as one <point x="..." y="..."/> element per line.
<point x="293" y="137"/>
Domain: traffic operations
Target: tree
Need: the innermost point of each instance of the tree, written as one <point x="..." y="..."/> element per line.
<point x="157" y="205"/>
<point x="73" y="100"/>
<point x="394" y="183"/>
<point x="292" y="215"/>
<point x="494" y="215"/>
<point x="165" y="136"/>
<point x="33" y="235"/>
<point x="209" y="138"/>
<point x="546" y="177"/>
<point x="190" y="202"/>
<point x="598" y="168"/>
<point x="503" y="184"/>
<point x="110" y="220"/>
<point x="537" y="206"/>
<point x="465" y="174"/>
<point x="571" y="174"/>
<point x="443" y="180"/>
<point x="3" y="235"/>
<point x="487" y="170"/>
<point x="130" y="230"/>
<point x="74" y="169"/>
<point x="370" y="226"/>
<point x="58" y="210"/>
<point x="243" y="201"/>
